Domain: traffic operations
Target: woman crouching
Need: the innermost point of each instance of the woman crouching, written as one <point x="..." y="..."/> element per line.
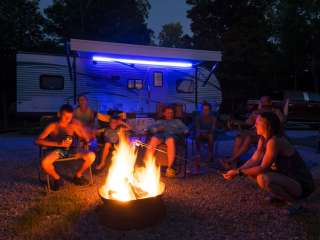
<point x="276" y="165"/>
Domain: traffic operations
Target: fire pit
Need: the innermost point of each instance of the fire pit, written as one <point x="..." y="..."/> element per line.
<point x="131" y="195"/>
<point x="133" y="214"/>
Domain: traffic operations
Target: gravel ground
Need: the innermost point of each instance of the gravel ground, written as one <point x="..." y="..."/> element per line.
<point x="199" y="207"/>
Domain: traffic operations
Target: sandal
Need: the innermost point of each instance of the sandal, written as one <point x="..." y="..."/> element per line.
<point x="170" y="172"/>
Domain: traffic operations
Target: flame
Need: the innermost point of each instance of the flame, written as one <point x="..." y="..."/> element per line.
<point x="126" y="182"/>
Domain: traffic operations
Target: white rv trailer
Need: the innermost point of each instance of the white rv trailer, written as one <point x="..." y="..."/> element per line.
<point x="131" y="78"/>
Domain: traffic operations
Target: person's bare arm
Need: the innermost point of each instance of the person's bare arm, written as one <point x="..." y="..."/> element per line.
<point x="280" y="115"/>
<point x="125" y="125"/>
<point x="81" y="131"/>
<point x="255" y="158"/>
<point x="268" y="158"/>
<point x="41" y="140"/>
<point x="251" y="119"/>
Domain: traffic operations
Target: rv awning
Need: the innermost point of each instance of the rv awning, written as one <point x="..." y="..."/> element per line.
<point x="88" y="47"/>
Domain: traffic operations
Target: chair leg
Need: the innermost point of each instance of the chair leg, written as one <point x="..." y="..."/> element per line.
<point x="48" y="183"/>
<point x="185" y="159"/>
<point x="192" y="147"/>
<point x="215" y="147"/>
<point x="91" y="176"/>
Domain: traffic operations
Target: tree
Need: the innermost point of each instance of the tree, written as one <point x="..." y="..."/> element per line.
<point x="238" y="29"/>
<point x="171" y="35"/>
<point x="297" y="25"/>
<point x="112" y="20"/>
<point x="20" y="24"/>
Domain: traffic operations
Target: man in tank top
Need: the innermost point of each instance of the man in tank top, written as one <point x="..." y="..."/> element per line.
<point x="57" y="137"/>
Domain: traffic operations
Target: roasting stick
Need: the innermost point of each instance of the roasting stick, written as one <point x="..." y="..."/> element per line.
<point x="139" y="143"/>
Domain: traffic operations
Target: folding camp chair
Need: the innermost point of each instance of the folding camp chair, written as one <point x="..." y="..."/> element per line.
<point x="41" y="155"/>
<point x="45" y="121"/>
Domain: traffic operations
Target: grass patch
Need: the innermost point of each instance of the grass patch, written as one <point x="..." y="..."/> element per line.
<point x="50" y="218"/>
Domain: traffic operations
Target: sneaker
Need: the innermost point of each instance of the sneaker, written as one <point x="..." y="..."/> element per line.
<point x="81" y="181"/>
<point x="57" y="184"/>
<point x="293" y="210"/>
<point x="274" y="200"/>
<point x="170" y="172"/>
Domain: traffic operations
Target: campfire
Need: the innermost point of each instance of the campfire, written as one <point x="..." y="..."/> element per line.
<point x="132" y="192"/>
<point x="127" y="182"/>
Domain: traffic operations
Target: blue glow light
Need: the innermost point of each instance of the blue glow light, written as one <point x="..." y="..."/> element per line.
<point x="143" y="62"/>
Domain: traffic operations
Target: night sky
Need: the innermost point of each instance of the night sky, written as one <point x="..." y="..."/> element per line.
<point x="161" y="12"/>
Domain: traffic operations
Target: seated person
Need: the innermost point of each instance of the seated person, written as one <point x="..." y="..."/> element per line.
<point x="248" y="137"/>
<point x="166" y="131"/>
<point x="55" y="137"/>
<point x="84" y="113"/>
<point x="85" y="116"/>
<point x="111" y="137"/>
<point x="204" y="129"/>
<point x="276" y="165"/>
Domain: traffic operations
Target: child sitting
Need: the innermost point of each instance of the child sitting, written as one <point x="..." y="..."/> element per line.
<point x="111" y="137"/>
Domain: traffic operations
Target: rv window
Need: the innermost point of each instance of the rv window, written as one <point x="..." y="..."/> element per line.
<point x="135" y="84"/>
<point x="51" y="82"/>
<point x="158" y="79"/>
<point x="130" y="83"/>
<point x="115" y="77"/>
<point x="138" y="84"/>
<point x="184" y="86"/>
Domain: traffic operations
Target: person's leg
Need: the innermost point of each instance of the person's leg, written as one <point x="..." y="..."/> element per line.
<point x="237" y="145"/>
<point x="210" y="147"/>
<point x="231" y="162"/>
<point x="198" y="145"/>
<point x="88" y="158"/>
<point x="242" y="149"/>
<point x="47" y="164"/>
<point x="197" y="152"/>
<point x="153" y="143"/>
<point x="171" y="151"/>
<point x="104" y="155"/>
<point x="280" y="186"/>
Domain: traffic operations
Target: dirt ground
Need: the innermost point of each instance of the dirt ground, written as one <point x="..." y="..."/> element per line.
<point x="198" y="207"/>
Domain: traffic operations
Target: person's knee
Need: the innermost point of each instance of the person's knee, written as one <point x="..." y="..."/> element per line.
<point x="90" y="157"/>
<point x="107" y="146"/>
<point x="264" y="182"/>
<point x="239" y="139"/>
<point x="48" y="161"/>
<point x="154" y="141"/>
<point x="247" y="139"/>
<point x="45" y="164"/>
<point x="170" y="141"/>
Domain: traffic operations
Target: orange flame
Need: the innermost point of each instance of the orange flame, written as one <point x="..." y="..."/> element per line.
<point x="126" y="182"/>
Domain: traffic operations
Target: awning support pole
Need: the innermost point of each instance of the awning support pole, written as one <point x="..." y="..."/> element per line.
<point x="196" y="88"/>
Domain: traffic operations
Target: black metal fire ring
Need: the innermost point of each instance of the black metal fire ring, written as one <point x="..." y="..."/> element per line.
<point x="134" y="214"/>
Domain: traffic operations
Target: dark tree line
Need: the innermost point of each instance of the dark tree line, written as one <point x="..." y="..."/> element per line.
<point x="266" y="44"/>
<point x="24" y="27"/>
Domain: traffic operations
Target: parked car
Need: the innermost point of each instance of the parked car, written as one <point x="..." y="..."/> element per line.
<point x="302" y="106"/>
